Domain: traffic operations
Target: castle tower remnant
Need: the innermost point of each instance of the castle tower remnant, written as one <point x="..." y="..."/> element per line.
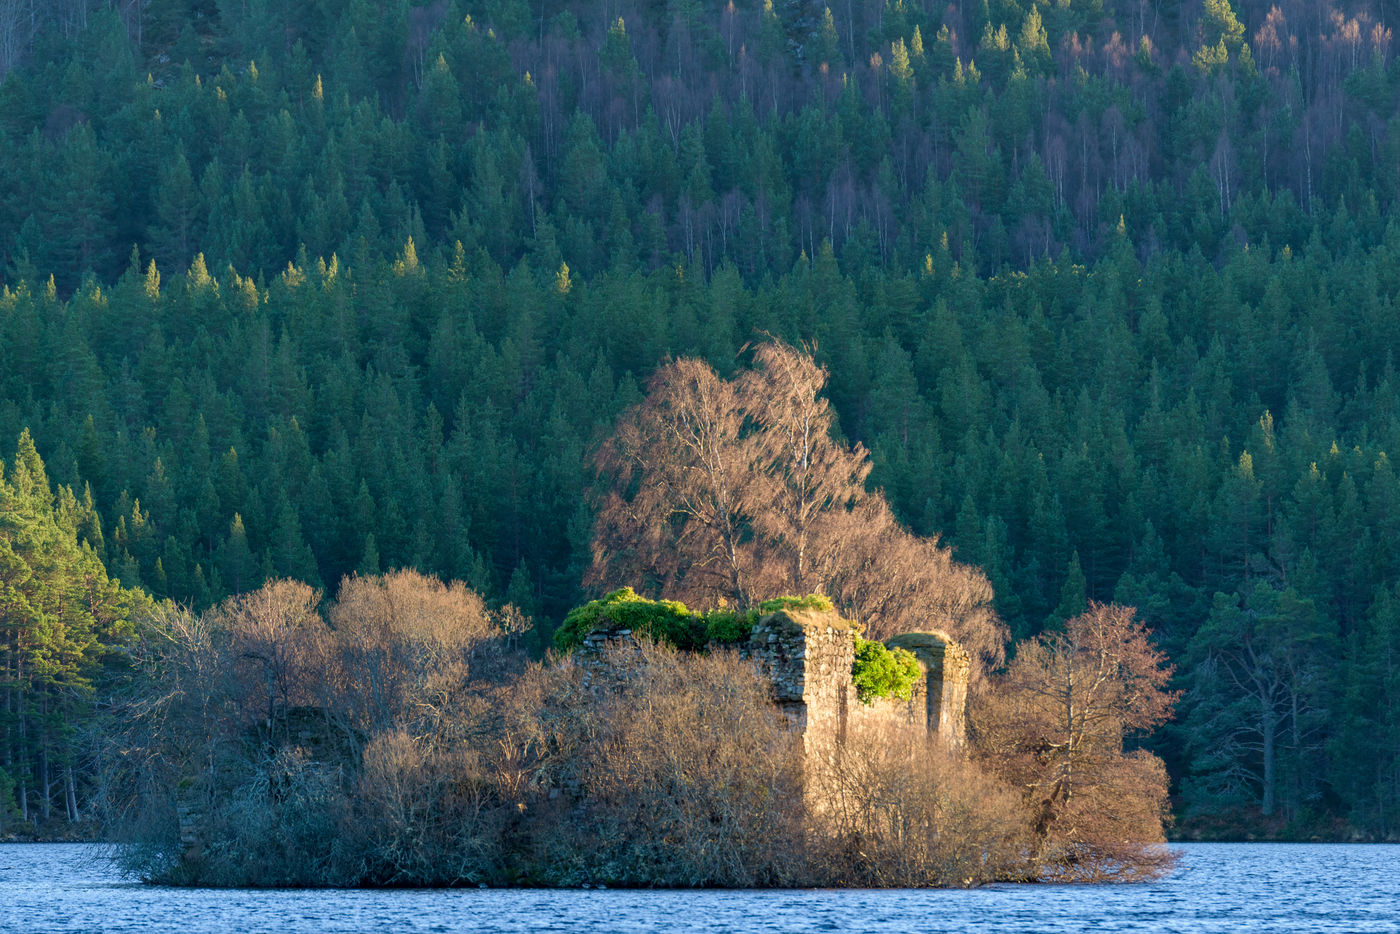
<point x="946" y="666"/>
<point x="807" y="653"/>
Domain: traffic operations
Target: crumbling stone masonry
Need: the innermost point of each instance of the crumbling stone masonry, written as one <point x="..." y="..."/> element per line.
<point x="808" y="655"/>
<point x="946" y="668"/>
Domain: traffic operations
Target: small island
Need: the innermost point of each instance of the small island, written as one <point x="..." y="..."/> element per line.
<point x="400" y="739"/>
<point x="399" y="735"/>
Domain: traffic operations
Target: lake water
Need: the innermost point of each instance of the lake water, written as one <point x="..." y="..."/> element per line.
<point x="1245" y="888"/>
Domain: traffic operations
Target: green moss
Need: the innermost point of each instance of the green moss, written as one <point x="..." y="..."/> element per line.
<point x="672" y="622"/>
<point x="813" y="601"/>
<point x="729" y="627"/>
<point x="880" y="671"/>
<point x="663" y="620"/>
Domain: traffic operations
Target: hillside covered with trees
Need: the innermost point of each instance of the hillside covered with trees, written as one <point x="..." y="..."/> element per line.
<point x="1107" y="290"/>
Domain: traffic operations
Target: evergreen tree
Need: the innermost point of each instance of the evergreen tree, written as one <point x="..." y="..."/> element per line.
<point x="64" y="627"/>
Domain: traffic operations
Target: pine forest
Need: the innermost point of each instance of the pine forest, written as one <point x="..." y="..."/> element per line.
<point x="1109" y="291"/>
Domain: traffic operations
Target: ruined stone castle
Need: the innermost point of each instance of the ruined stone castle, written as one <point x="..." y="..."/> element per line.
<point x="808" y="656"/>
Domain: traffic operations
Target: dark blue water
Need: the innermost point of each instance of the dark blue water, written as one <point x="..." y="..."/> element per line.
<point x="1243" y="888"/>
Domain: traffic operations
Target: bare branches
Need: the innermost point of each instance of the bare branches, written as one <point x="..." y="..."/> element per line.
<point x="306" y="747"/>
<point x="902" y="813"/>
<point x="1054" y="726"/>
<point x="687" y="777"/>
<point x="404" y="645"/>
<point x="277" y="636"/>
<point x="681" y="470"/>
<point x="805" y="476"/>
<point x="735" y="491"/>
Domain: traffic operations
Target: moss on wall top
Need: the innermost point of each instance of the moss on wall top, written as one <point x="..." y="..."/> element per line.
<point x="672" y="622"/>
<point x="877" y="672"/>
<point x="662" y="620"/>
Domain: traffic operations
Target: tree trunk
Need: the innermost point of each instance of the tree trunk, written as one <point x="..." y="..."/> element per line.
<point x="22" y="767"/>
<point x="1268" y="726"/>
<point x="70" y="796"/>
<point x="44" y="783"/>
<point x="9" y="738"/>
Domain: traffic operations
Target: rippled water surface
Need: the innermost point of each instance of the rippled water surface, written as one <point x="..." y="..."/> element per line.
<point x="1218" y="887"/>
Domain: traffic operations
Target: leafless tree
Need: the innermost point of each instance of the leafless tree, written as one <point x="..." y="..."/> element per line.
<point x="404" y="645"/>
<point x="1054" y="726"/>
<point x="682" y="471"/>
<point x="736" y="490"/>
<point x="805" y="476"/>
<point x="277" y="645"/>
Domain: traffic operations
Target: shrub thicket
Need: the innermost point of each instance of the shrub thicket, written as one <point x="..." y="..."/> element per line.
<point x="395" y="737"/>
<point x="880" y="671"/>
<point x="899" y="811"/>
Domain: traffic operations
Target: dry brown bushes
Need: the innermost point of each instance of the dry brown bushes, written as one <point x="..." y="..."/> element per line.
<point x="395" y="738"/>
<point x="895" y="809"/>
<point x="678" y="771"/>
<point x="278" y="744"/>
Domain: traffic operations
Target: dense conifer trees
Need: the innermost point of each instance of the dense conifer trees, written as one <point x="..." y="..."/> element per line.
<point x="64" y="629"/>
<point x="1108" y="295"/>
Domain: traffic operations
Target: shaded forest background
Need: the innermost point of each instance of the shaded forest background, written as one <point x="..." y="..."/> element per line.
<point x="1107" y="288"/>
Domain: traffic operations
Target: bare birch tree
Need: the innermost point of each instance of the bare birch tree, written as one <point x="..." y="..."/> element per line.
<point x="736" y="491"/>
<point x="683" y="474"/>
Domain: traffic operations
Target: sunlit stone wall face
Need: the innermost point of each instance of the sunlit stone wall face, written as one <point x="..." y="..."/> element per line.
<point x="947" y="666"/>
<point x="807" y="655"/>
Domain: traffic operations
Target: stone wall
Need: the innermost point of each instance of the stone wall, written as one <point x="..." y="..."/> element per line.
<point x="600" y="658"/>
<point x="895" y="717"/>
<point x="808" y="655"/>
<point x="946" y="667"/>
